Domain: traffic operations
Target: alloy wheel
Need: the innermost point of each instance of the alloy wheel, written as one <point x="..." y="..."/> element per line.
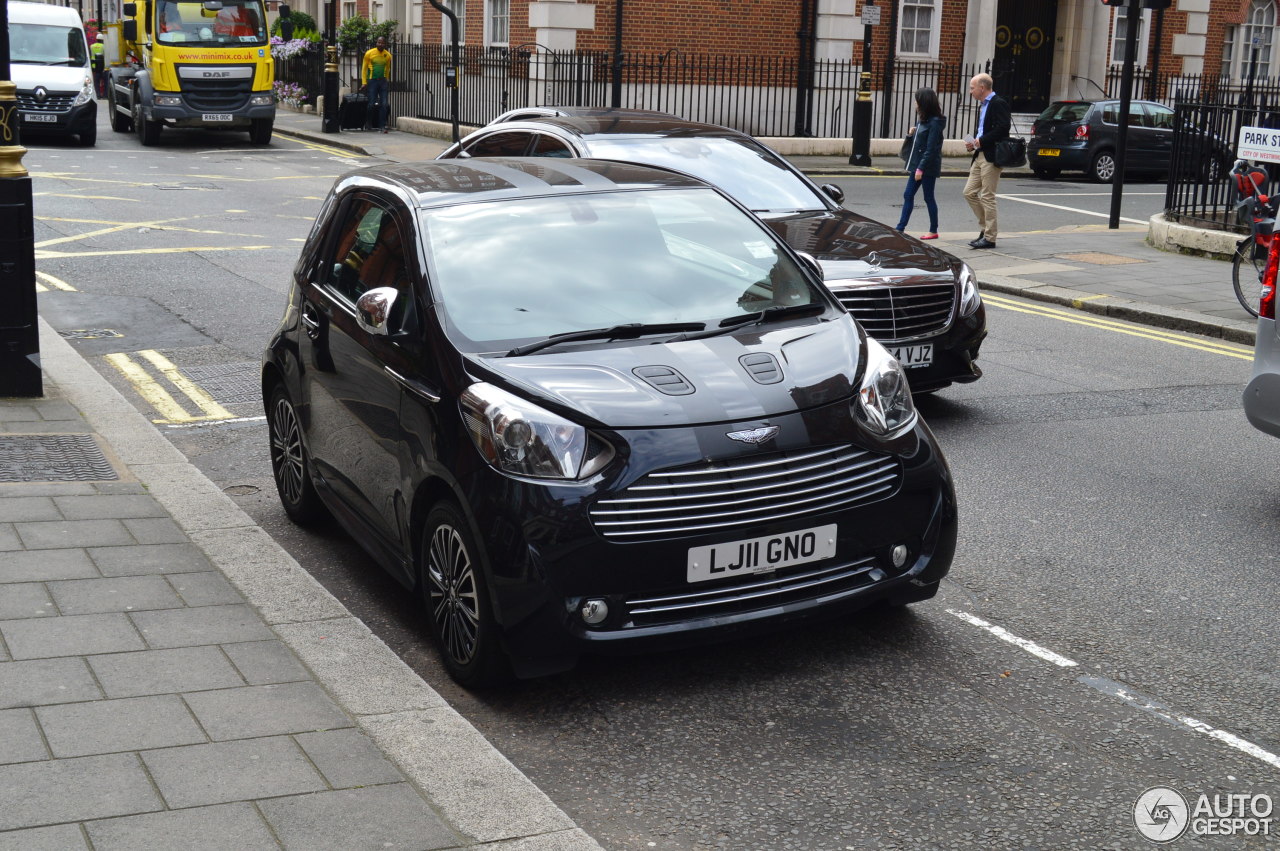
<point x="287" y="459"/>
<point x="454" y="600"/>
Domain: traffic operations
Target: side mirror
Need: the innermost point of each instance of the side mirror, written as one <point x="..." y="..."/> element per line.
<point x="374" y="308"/>
<point x="212" y="5"/>
<point x="835" y="193"/>
<point x="130" y="30"/>
<point x="286" y="23"/>
<point x="812" y="263"/>
<point x="130" y="10"/>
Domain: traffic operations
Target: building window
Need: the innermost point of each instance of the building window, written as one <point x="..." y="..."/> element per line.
<point x="348" y="10"/>
<point x="1251" y="42"/>
<point x="918" y="28"/>
<point x="459" y="8"/>
<point x="497" y="20"/>
<point x="1120" y="30"/>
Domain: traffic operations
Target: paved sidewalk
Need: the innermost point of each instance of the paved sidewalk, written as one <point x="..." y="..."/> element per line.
<point x="1109" y="272"/>
<point x="171" y="679"/>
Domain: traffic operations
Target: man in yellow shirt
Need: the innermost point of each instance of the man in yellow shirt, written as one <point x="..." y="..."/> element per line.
<point x="375" y="72"/>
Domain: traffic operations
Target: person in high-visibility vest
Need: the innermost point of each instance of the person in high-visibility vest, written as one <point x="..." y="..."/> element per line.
<point x="99" y="66"/>
<point x="375" y="72"/>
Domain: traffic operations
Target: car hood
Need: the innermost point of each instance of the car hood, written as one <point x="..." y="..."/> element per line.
<point x="844" y="243"/>
<point x="55" y="78"/>
<point x="693" y="382"/>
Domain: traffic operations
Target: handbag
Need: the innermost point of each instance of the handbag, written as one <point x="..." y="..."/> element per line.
<point x="907" y="141"/>
<point x="1010" y="153"/>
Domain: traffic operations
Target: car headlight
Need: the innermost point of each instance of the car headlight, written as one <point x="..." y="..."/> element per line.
<point x="262" y="100"/>
<point x="168" y="100"/>
<point x="884" y="403"/>
<point x="86" y="92"/>
<point x="518" y="437"/>
<point x="970" y="298"/>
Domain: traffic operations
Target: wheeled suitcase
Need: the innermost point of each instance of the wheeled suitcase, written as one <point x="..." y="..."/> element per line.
<point x="354" y="111"/>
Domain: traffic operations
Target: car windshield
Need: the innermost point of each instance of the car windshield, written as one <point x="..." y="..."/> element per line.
<point x="1069" y="111"/>
<point x="514" y="271"/>
<point x="44" y="44"/>
<point x="220" y="23"/>
<point x="757" y="178"/>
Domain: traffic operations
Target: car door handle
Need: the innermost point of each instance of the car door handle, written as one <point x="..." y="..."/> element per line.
<point x="417" y="388"/>
<point x="311" y="321"/>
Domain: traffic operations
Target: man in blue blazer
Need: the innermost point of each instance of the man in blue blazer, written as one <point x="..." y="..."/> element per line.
<point x="994" y="121"/>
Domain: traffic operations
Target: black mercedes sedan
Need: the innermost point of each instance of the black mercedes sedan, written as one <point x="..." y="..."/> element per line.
<point x="922" y="303"/>
<point x="583" y="406"/>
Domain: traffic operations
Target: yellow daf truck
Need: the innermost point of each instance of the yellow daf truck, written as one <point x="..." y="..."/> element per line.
<point x="193" y="64"/>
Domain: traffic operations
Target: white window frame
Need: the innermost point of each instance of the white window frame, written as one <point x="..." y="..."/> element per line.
<point x="459" y="8"/>
<point x="490" y="7"/>
<point x="934" y="29"/>
<point x="348" y="9"/>
<point x="1119" y="14"/>
<point x="1240" y="42"/>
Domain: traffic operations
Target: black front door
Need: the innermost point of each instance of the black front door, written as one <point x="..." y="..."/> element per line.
<point x="1023" y="65"/>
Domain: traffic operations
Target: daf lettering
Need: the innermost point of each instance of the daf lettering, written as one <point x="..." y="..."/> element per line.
<point x="215" y="74"/>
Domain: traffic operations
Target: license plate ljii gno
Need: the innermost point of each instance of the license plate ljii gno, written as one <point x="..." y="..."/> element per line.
<point x="759" y="555"/>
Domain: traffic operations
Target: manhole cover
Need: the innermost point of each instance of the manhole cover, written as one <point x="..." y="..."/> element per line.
<point x="242" y="490"/>
<point x="89" y="334"/>
<point x="229" y="383"/>
<point x="1099" y="258"/>
<point x="53" y="458"/>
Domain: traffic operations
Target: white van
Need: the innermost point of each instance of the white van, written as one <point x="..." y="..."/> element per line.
<point x="49" y="63"/>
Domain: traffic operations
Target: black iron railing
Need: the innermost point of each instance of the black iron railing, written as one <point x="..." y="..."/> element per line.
<point x="1200" y="191"/>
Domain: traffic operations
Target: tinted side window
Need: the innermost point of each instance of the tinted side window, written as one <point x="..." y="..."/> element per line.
<point x="369" y="252"/>
<point x="1161" y="116"/>
<point x="549" y="146"/>
<point x="499" y="145"/>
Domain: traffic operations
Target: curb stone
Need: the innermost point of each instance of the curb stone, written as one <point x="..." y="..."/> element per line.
<point x="396" y="707"/>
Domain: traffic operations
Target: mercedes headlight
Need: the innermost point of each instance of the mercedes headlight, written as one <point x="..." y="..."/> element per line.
<point x="884" y="403"/>
<point x="970" y="299"/>
<point x="86" y="92"/>
<point x="518" y="437"/>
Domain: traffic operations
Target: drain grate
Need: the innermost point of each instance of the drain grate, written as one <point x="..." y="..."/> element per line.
<point x="229" y="383"/>
<point x="53" y="458"/>
<point x="89" y="334"/>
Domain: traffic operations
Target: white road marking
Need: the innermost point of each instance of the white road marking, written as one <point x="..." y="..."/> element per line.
<point x="1022" y="200"/>
<point x="1082" y="194"/>
<point x="1146" y="704"/>
<point x="1003" y="634"/>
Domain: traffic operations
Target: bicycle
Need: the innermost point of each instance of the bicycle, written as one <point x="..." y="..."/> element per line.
<point x="1250" y="258"/>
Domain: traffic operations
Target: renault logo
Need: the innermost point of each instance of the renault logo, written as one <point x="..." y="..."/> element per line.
<point x="754" y="435"/>
<point x="41" y="94"/>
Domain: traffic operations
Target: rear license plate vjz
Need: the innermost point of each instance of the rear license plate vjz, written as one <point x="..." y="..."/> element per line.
<point x="760" y="555"/>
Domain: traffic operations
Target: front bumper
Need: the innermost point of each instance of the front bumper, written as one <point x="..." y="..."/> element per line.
<point x="186" y="115"/>
<point x="546" y="557"/>
<point x="1262" y="393"/>
<point x="76" y="120"/>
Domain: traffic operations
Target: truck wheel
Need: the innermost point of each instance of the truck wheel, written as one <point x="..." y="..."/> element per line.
<point x="89" y="136"/>
<point x="260" y="131"/>
<point x="148" y="131"/>
<point x="120" y="122"/>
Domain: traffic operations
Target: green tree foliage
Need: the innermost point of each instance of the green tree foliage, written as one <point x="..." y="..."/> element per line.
<point x="357" y="31"/>
<point x="301" y="21"/>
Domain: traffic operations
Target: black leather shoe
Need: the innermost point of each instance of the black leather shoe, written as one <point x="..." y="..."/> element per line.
<point x="980" y="238"/>
<point x="982" y="243"/>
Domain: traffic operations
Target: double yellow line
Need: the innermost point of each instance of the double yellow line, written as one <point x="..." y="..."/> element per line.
<point x="1231" y="350"/>
<point x="159" y="398"/>
<point x="44" y="281"/>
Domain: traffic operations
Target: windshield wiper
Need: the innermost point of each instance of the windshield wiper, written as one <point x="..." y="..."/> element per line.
<point x="55" y="62"/>
<point x="617" y="332"/>
<point x="769" y="314"/>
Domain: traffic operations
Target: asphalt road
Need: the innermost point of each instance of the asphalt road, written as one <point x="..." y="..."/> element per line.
<point x="1114" y="576"/>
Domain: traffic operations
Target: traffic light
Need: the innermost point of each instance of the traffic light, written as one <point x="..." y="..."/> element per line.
<point x="1156" y="4"/>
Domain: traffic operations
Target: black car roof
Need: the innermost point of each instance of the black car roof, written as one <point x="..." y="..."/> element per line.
<point x="443" y="182"/>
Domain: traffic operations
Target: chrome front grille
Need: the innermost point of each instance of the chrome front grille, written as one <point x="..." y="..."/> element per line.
<point x="892" y="314"/>
<point x="751" y="593"/>
<point x="717" y="496"/>
<point x="53" y="102"/>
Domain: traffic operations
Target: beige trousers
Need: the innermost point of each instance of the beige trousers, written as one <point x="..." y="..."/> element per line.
<point x="980" y="192"/>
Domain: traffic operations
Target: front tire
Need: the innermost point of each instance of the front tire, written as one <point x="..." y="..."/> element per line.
<point x="148" y="131"/>
<point x="260" y="131"/>
<point x="1103" y="166"/>
<point x="88" y="138"/>
<point x="1247" y="266"/>
<point x="290" y="463"/>
<point x="453" y="588"/>
<point x="120" y="122"/>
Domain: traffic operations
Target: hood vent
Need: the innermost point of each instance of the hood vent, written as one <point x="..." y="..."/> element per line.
<point x="664" y="379"/>
<point x="762" y="366"/>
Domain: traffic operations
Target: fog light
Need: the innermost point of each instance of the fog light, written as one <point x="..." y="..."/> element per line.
<point x="168" y="100"/>
<point x="595" y="611"/>
<point x="899" y="555"/>
<point x="262" y="100"/>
